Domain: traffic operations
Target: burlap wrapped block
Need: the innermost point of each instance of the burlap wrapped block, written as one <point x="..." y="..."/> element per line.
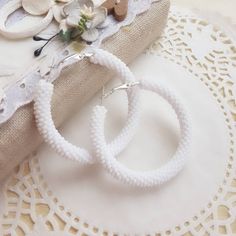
<point x="19" y="136"/>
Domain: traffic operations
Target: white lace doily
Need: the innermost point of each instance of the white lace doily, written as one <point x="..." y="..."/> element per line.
<point x="199" y="61"/>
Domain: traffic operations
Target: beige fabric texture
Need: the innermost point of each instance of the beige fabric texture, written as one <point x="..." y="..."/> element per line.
<point x="19" y="136"/>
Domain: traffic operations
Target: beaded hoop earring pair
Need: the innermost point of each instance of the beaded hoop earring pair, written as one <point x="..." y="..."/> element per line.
<point x="106" y="153"/>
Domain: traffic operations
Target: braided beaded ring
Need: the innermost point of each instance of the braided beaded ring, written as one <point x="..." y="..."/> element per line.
<point x="45" y="124"/>
<point x="143" y="178"/>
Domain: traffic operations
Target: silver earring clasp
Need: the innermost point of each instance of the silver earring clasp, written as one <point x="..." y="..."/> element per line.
<point x="63" y="63"/>
<point x="124" y="86"/>
<point x="76" y="56"/>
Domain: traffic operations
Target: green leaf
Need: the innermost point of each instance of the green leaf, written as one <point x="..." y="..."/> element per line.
<point x="65" y="35"/>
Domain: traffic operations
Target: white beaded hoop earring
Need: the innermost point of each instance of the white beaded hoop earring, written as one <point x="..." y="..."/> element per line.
<point x="43" y="117"/>
<point x="143" y="178"/>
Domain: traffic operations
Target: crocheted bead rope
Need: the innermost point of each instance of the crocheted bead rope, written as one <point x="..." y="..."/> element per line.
<point x="143" y="178"/>
<point x="106" y="153"/>
<point x="45" y="124"/>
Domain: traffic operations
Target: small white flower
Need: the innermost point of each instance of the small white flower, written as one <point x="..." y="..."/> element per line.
<point x="41" y="7"/>
<point x="63" y="25"/>
<point x="83" y="15"/>
<point x="36" y="8"/>
<point x="87" y="11"/>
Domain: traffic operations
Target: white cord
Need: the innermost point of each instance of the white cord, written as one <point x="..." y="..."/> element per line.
<point x="143" y="178"/>
<point x="46" y="126"/>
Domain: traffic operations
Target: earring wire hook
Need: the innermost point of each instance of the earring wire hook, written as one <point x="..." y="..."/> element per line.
<point x="124" y="86"/>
